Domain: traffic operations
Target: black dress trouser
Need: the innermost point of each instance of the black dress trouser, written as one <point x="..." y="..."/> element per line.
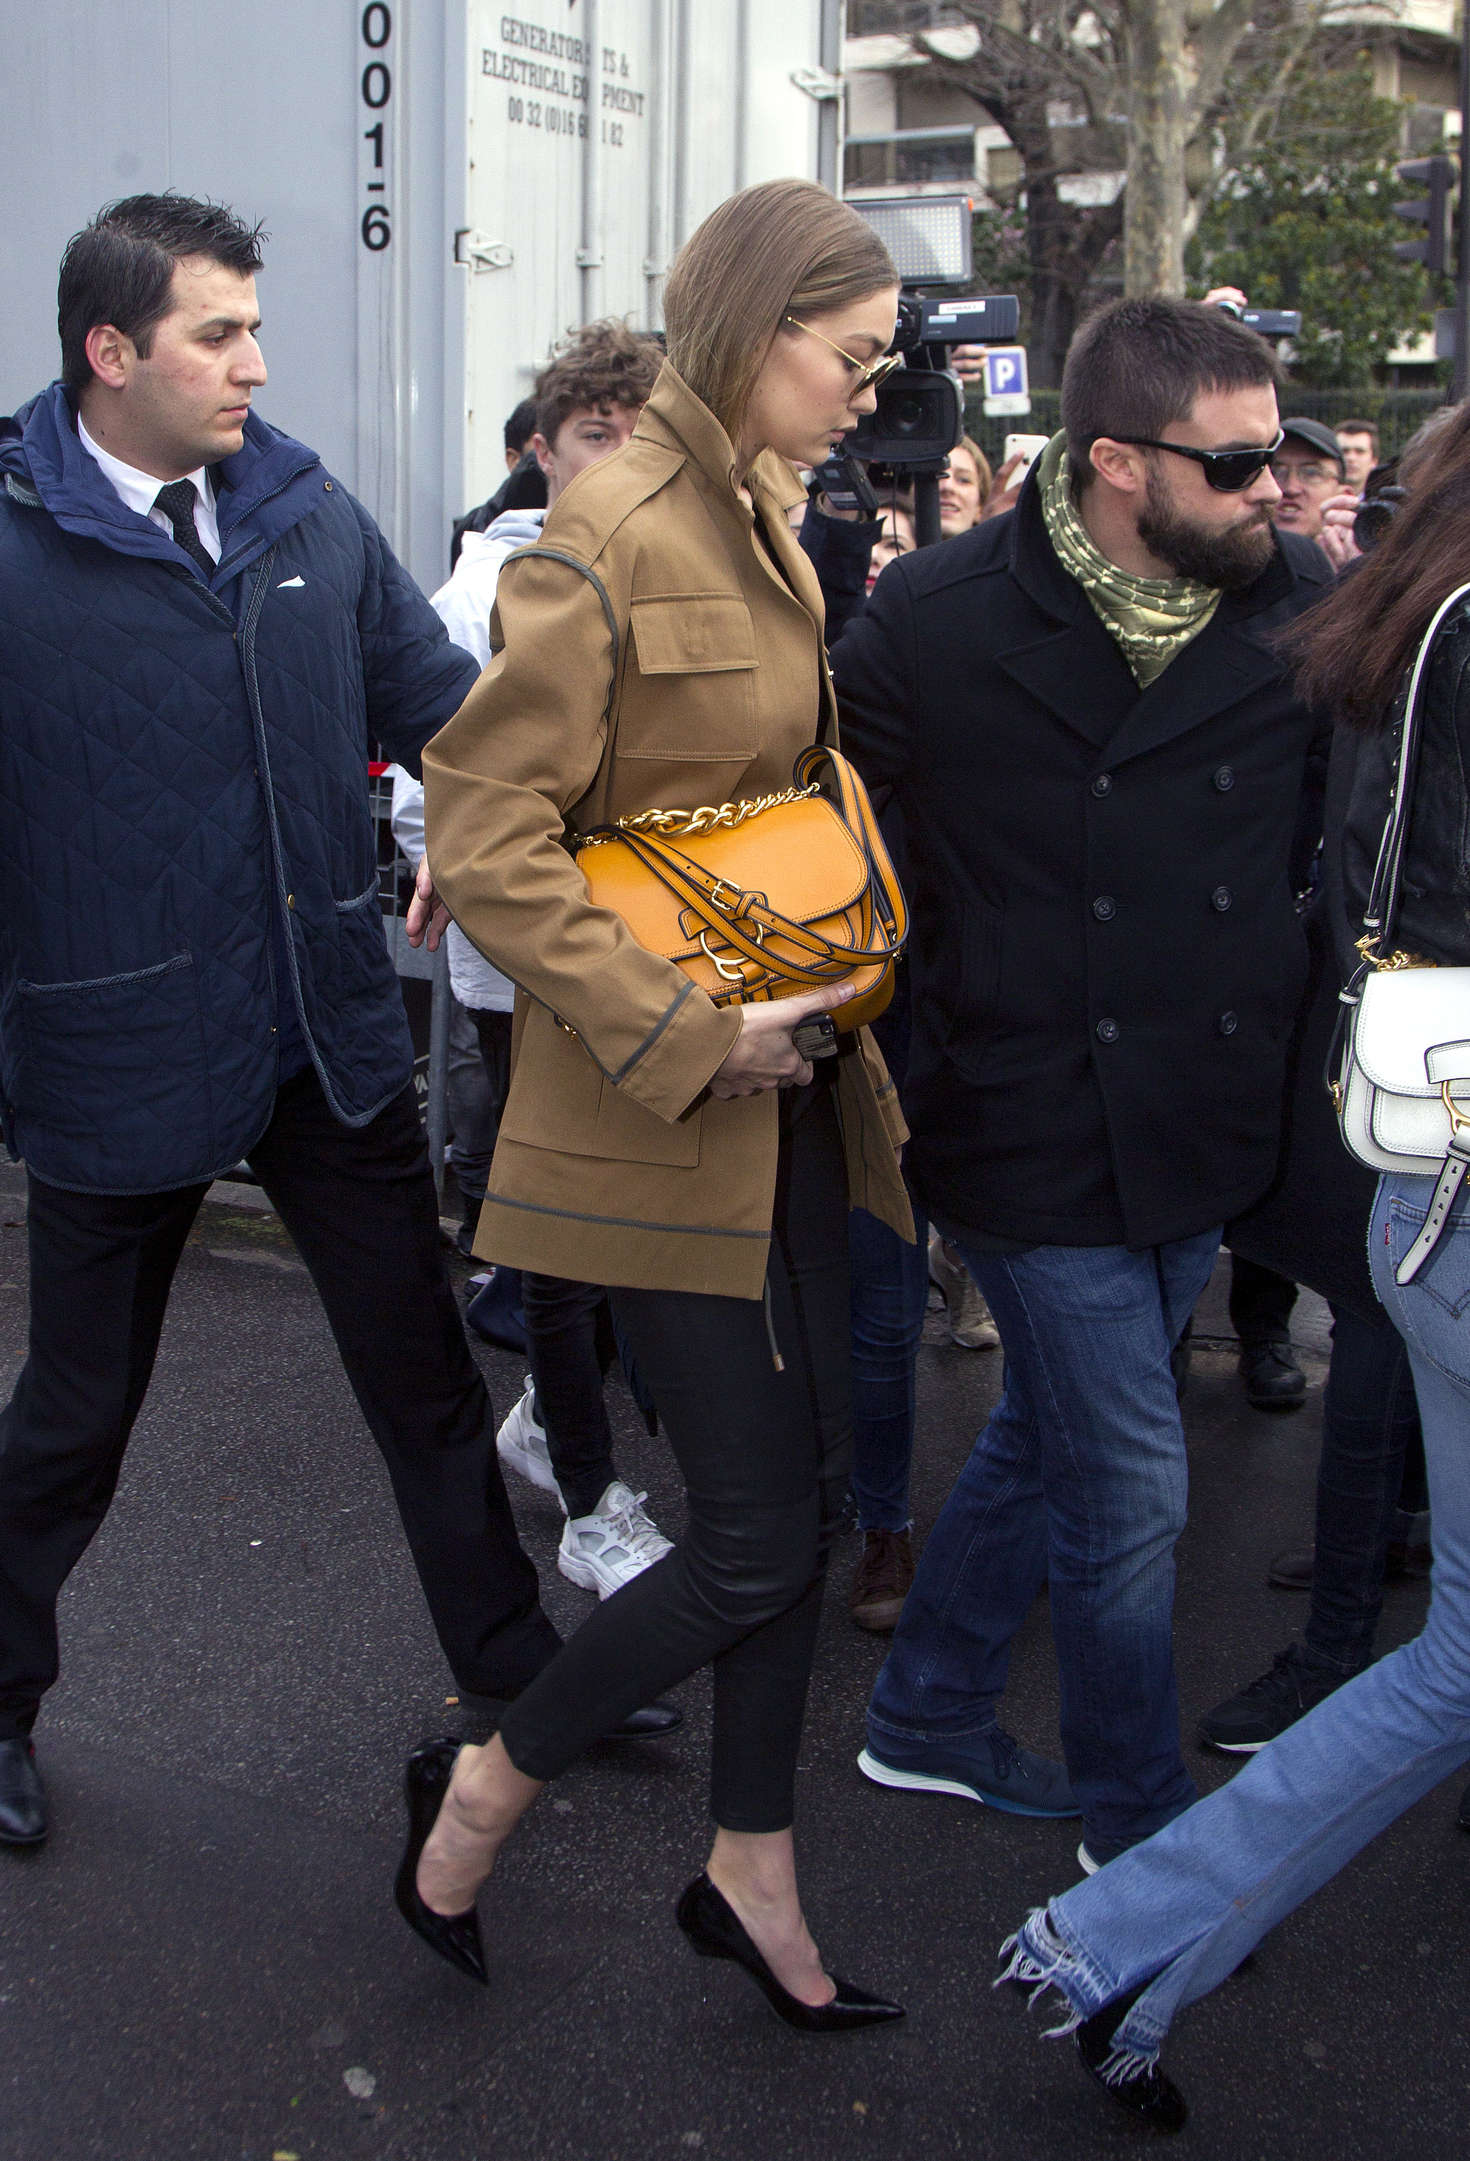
<point x="360" y="1205"/>
<point x="764" y="1456"/>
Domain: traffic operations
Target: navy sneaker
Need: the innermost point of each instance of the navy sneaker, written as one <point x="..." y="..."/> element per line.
<point x="988" y="1767"/>
<point x="1295" y="1684"/>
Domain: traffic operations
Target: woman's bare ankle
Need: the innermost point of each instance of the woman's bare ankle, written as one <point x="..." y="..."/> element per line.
<point x="755" y="1873"/>
<point x="486" y="1799"/>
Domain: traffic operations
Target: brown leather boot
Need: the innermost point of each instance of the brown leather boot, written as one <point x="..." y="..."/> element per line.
<point x="880" y="1582"/>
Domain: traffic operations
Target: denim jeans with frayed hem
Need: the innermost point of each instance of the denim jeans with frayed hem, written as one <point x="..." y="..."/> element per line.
<point x="1079" y="1476"/>
<point x="1188" y="1905"/>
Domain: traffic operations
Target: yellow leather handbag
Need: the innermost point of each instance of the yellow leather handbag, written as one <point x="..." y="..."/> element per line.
<point x="762" y="899"/>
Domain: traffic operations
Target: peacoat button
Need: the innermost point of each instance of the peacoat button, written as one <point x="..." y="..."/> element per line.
<point x="1220" y="899"/>
<point x="1105" y="907"/>
<point x="1107" y="1031"/>
<point x="1103" y="785"/>
<point x="1224" y="778"/>
<point x="1227" y="1024"/>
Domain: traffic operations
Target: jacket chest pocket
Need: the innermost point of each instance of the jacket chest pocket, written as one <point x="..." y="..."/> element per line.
<point x="693" y="698"/>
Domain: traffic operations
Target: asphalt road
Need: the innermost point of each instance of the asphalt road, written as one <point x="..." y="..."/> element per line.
<point x="203" y="1964"/>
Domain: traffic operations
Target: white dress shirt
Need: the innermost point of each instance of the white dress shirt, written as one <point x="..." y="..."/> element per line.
<point x="139" y="492"/>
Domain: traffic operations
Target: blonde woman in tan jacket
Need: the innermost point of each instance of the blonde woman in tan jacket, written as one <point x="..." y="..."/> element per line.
<point x="662" y="647"/>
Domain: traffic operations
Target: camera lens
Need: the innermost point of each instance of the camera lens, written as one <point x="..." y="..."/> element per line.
<point x="907" y="416"/>
<point x="1374" y="517"/>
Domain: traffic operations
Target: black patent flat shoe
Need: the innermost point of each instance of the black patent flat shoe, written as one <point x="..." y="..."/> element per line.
<point x="1149" y="2094"/>
<point x="455" y="1936"/>
<point x="716" y="1931"/>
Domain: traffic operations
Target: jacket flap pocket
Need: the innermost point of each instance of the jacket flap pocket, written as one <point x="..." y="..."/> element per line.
<point x="693" y="634"/>
<point x="558" y="1100"/>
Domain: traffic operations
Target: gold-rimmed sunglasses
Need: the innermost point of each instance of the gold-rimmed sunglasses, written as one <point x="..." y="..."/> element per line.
<point x="868" y="376"/>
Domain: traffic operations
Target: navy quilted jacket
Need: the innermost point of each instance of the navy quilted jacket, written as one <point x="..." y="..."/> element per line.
<point x="179" y="758"/>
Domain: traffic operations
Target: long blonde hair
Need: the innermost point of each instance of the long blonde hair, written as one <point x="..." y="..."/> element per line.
<point x="783" y="247"/>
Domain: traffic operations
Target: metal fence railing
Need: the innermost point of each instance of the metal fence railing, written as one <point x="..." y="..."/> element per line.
<point x="1395" y="413"/>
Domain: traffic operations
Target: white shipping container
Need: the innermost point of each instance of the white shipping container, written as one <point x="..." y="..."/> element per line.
<point x="448" y="188"/>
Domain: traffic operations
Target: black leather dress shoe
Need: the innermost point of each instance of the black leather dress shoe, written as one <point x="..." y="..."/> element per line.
<point x="1293" y="1569"/>
<point x="22" y="1796"/>
<point x="1273" y="1379"/>
<point x="650" y="1722"/>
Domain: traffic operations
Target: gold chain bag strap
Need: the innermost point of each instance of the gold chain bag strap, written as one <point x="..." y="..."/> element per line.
<point x="762" y="899"/>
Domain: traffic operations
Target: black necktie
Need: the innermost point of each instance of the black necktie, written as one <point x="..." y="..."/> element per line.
<point x="177" y="501"/>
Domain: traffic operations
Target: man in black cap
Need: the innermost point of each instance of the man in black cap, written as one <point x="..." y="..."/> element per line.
<point x="1309" y="471"/>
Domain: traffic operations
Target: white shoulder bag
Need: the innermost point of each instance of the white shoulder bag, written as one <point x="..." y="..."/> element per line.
<point x="1403" y="1087"/>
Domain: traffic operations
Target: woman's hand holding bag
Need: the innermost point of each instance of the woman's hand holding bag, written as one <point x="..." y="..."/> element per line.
<point x="764" y="1055"/>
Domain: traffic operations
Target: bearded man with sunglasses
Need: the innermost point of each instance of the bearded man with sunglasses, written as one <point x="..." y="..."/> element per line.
<point x="1099" y="756"/>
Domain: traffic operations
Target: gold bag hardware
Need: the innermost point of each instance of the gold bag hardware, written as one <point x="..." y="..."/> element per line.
<point x="762" y="899"/>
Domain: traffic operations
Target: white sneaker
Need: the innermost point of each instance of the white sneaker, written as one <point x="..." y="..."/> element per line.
<point x="521" y="1445"/>
<point x="607" y="1549"/>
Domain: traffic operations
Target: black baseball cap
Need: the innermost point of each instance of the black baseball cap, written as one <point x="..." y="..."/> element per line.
<point x="1320" y="438"/>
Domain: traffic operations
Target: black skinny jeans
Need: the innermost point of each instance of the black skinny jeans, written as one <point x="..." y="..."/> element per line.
<point x="764" y="1455"/>
<point x="571" y="1344"/>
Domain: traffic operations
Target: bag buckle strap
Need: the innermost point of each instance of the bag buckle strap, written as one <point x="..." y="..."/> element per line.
<point x="1459" y="1119"/>
<point x="732" y="972"/>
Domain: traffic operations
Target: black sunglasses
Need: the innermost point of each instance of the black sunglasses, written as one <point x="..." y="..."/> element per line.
<point x="1227" y="470"/>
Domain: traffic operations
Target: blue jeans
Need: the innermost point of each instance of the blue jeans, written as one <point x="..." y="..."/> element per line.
<point x="890" y="1291"/>
<point x="1188" y="1905"/>
<point x="1080" y="1477"/>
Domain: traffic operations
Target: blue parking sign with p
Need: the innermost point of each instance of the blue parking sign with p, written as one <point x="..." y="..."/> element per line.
<point x="1005" y="370"/>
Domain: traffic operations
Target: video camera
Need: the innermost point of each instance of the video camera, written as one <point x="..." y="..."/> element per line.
<point x="920" y="415"/>
<point x="1266" y="322"/>
<point x="921" y="407"/>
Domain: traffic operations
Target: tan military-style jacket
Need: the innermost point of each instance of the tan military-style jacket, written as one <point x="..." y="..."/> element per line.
<point x="649" y="652"/>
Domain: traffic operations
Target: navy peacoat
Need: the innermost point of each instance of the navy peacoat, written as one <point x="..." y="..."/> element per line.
<point x="1107" y="959"/>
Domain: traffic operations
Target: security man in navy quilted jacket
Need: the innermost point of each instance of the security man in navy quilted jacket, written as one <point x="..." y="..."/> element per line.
<point x="202" y="633"/>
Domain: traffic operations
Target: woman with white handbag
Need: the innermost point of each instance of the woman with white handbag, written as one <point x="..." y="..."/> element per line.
<point x="1165" y="1923"/>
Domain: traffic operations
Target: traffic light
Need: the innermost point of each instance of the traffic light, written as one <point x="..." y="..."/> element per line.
<point x="1436" y="176"/>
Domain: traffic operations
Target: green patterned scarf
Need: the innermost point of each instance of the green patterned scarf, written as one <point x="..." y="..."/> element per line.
<point x="1151" y="618"/>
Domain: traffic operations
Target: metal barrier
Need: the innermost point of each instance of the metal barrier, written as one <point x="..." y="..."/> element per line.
<point x="415" y="965"/>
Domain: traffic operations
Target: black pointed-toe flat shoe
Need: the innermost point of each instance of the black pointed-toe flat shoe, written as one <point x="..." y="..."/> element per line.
<point x="455" y="1936"/>
<point x="716" y="1931"/>
<point x="1149" y="2094"/>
